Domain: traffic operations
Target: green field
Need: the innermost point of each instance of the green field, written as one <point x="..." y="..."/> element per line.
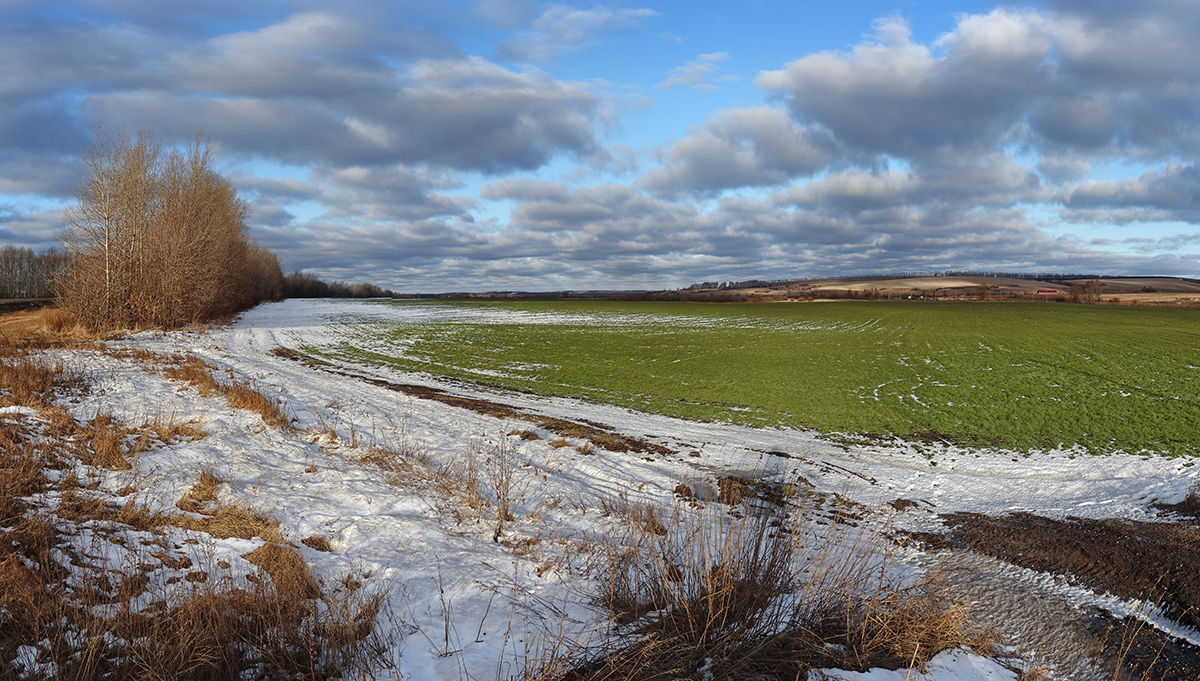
<point x="1021" y="376"/>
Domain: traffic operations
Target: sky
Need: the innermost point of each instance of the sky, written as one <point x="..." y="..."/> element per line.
<point x="472" y="145"/>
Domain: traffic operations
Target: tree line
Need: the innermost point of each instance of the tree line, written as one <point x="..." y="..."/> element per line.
<point x="302" y="285"/>
<point x="158" y="239"/>
<point x="26" y="274"/>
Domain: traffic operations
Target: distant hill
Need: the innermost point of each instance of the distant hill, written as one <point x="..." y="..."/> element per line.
<point x="1158" y="291"/>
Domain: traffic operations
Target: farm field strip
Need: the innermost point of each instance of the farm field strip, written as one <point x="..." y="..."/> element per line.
<point x="1019" y="376"/>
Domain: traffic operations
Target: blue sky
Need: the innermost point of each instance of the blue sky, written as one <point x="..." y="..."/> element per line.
<point x="513" y="144"/>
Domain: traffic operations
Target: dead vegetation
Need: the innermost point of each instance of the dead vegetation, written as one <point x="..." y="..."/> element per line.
<point x="47" y="327"/>
<point x="97" y="584"/>
<point x="710" y="595"/>
<point x="190" y="369"/>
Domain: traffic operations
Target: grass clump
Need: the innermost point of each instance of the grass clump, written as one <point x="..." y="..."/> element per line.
<point x="239" y="394"/>
<point x="725" y="597"/>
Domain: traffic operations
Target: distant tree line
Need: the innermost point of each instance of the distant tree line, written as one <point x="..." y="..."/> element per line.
<point x="301" y="285"/>
<point x="159" y="239"/>
<point x="26" y="274"/>
<point x="808" y="281"/>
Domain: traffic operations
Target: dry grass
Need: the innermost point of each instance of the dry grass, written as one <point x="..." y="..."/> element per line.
<point x="195" y="629"/>
<point x="317" y="543"/>
<point x="202" y="497"/>
<point x="32" y="381"/>
<point x="48" y="327"/>
<point x="23" y="467"/>
<point x="109" y="443"/>
<point x="288" y="570"/>
<point x="744" y="597"/>
<point x="234" y="520"/>
<point x="134" y="606"/>
<point x="499" y="466"/>
<point x="239" y="394"/>
<point x="168" y="429"/>
<point x="644" y="518"/>
<point x="244" y="395"/>
<point x="81" y="620"/>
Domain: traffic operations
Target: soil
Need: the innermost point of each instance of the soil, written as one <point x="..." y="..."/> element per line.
<point x="595" y="433"/>
<point x="1155" y="562"/>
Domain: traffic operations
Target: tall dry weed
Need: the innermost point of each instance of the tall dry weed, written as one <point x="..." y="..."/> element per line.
<point x="752" y="595"/>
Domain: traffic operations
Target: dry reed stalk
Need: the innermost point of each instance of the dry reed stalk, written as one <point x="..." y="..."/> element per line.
<point x="744" y="595"/>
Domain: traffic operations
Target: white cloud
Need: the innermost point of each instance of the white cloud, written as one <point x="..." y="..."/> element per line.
<point x="563" y="28"/>
<point x="702" y="73"/>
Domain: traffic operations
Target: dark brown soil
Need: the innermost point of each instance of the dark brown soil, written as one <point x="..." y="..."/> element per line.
<point x="1150" y="561"/>
<point x="1156" y="562"/>
<point x="598" y="434"/>
<point x="1142" y="652"/>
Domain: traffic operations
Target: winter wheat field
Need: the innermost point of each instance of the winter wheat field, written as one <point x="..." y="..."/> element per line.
<point x="465" y="473"/>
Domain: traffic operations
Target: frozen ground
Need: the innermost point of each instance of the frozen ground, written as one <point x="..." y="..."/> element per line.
<point x="463" y="606"/>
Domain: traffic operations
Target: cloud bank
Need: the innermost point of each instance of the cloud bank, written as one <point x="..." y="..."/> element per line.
<point x="447" y="147"/>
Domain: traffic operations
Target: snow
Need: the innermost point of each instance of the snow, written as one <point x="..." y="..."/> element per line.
<point x="462" y="606"/>
<point x="959" y="665"/>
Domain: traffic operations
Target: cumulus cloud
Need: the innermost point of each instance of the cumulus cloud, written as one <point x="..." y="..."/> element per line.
<point x="741" y="147"/>
<point x="893" y="96"/>
<point x="893" y="154"/>
<point x="468" y="114"/>
<point x="1169" y="194"/>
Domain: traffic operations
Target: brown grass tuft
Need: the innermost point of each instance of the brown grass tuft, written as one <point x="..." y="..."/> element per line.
<point x="193" y="371"/>
<point x="234" y="520"/>
<point x="107" y="443"/>
<point x="288" y="570"/>
<point x="239" y="394"/>
<point x="202" y="497"/>
<point x="317" y="543"/>
<point x="245" y="396"/>
<point x="742" y="597"/>
<point x="168" y="429"/>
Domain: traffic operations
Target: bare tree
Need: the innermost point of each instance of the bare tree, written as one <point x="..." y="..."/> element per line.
<point x="158" y="240"/>
<point x="25" y="274"/>
<point x="1076" y="293"/>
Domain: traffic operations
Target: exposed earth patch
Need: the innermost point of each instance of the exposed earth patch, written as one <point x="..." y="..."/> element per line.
<point x="1154" y="562"/>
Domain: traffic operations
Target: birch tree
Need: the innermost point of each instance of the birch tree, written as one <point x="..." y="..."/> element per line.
<point x="158" y="239"/>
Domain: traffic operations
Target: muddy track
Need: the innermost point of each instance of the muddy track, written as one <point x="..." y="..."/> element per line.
<point x="593" y="432"/>
<point x="1155" y="562"/>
